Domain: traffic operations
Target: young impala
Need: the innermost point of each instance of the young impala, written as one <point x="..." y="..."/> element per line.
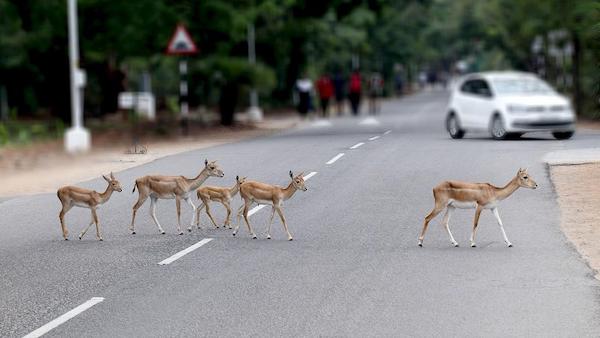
<point x="217" y="194"/>
<point x="455" y="194"/>
<point x="171" y="187"/>
<point x="74" y="196"/>
<point x="261" y="193"/>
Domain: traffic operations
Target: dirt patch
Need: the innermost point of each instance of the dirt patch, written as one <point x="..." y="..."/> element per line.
<point x="579" y="200"/>
<point x="44" y="167"/>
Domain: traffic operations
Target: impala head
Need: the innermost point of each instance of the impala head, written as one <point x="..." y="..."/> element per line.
<point x="298" y="181"/>
<point x="240" y="180"/>
<point x="525" y="180"/>
<point x="213" y="169"/>
<point x="112" y="182"/>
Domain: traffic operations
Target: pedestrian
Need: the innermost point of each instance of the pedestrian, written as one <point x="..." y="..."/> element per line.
<point x="339" y="85"/>
<point x="304" y="87"/>
<point x="355" y="91"/>
<point x="375" y="91"/>
<point x="325" y="89"/>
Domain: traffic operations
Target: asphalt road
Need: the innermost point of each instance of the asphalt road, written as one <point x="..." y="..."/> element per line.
<point x="353" y="269"/>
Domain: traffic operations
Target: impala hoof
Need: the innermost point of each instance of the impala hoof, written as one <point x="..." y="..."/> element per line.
<point x="473" y="245"/>
<point x="79" y="237"/>
<point x="133" y="232"/>
<point x="456" y="245"/>
<point x="253" y="236"/>
<point x="269" y="237"/>
<point x="66" y="239"/>
<point x="180" y="233"/>
<point x="100" y="239"/>
<point x="420" y="245"/>
<point x="290" y="239"/>
<point x="233" y="234"/>
<point x="510" y="245"/>
<point x="162" y="232"/>
<point x="189" y="229"/>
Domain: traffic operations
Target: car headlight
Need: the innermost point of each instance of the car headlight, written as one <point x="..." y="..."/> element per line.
<point x="516" y="108"/>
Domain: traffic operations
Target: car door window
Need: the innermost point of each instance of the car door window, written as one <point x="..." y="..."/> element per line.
<point x="481" y="88"/>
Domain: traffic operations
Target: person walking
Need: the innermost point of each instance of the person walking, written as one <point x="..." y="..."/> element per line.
<point x="375" y="92"/>
<point x="304" y="87"/>
<point x="325" y="89"/>
<point x="339" y="85"/>
<point x="355" y="91"/>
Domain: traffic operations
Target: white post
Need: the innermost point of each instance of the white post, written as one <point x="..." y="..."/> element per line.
<point x="255" y="114"/>
<point x="77" y="138"/>
<point x="183" y="95"/>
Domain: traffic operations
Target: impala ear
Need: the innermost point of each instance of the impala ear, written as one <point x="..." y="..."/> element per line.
<point x="112" y="176"/>
<point x="205" y="162"/>
<point x="106" y="178"/>
<point x="291" y="174"/>
<point x="237" y="178"/>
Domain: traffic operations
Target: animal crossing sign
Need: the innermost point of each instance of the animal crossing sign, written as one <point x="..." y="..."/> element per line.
<point x="181" y="43"/>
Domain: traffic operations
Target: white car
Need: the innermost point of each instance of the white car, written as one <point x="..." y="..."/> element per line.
<point x="508" y="104"/>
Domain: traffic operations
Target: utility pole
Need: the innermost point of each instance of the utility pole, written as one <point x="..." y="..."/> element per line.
<point x="255" y="114"/>
<point x="77" y="138"/>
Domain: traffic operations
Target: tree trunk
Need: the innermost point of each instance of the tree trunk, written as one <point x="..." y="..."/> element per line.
<point x="228" y="102"/>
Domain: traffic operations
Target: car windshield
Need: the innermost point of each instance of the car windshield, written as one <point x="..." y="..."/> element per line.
<point x="521" y="86"/>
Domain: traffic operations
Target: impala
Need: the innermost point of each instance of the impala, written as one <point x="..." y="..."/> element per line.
<point x="262" y="193"/>
<point x="217" y="194"/>
<point x="455" y="194"/>
<point x="171" y="187"/>
<point x="71" y="196"/>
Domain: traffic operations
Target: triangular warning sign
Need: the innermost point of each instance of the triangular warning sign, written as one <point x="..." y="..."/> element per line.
<point x="181" y="43"/>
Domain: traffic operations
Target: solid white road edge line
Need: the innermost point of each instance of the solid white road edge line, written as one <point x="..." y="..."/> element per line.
<point x="357" y="145"/>
<point x="62" y="319"/>
<point x="387" y="132"/>
<point x="373" y="138"/>
<point x="335" y="158"/>
<point x="184" y="252"/>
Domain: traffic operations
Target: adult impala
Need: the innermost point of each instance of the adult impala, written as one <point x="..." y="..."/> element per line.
<point x="223" y="195"/>
<point x="262" y="193"/>
<point x="71" y="196"/>
<point x="455" y="194"/>
<point x="171" y="187"/>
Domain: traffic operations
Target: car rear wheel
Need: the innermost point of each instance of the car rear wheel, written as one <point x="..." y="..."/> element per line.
<point x="497" y="128"/>
<point x="563" y="135"/>
<point x="453" y="127"/>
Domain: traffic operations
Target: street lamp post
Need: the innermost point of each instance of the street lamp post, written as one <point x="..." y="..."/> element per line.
<point x="254" y="112"/>
<point x="77" y="138"/>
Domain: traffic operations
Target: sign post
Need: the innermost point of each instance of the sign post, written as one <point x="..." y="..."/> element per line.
<point x="77" y="138"/>
<point x="181" y="44"/>
<point x="255" y="114"/>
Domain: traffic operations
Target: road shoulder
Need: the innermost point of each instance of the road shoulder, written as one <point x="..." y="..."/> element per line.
<point x="575" y="175"/>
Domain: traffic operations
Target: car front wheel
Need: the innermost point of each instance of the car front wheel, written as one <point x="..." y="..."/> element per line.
<point x="497" y="128"/>
<point x="453" y="127"/>
<point x="563" y="135"/>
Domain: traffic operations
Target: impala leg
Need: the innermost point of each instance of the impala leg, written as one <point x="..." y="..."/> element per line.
<point x="278" y="208"/>
<point x="246" y="207"/>
<point x="446" y="221"/>
<point x="210" y="215"/>
<point x="178" y="207"/>
<point x="227" y="206"/>
<point x="95" y="216"/>
<point x="189" y="201"/>
<point x="475" y="223"/>
<point x="495" y="211"/>
<point x="141" y="199"/>
<point x="436" y="210"/>
<point x="87" y="228"/>
<point x="270" y="223"/>
<point x="61" y="217"/>
<point x="239" y="215"/>
<point x="153" y="214"/>
<point x="198" y="209"/>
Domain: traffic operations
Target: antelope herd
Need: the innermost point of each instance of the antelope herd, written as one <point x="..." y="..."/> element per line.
<point x="448" y="195"/>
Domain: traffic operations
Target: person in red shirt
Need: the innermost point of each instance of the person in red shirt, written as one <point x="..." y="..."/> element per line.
<point x="325" y="89"/>
<point x="355" y="92"/>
